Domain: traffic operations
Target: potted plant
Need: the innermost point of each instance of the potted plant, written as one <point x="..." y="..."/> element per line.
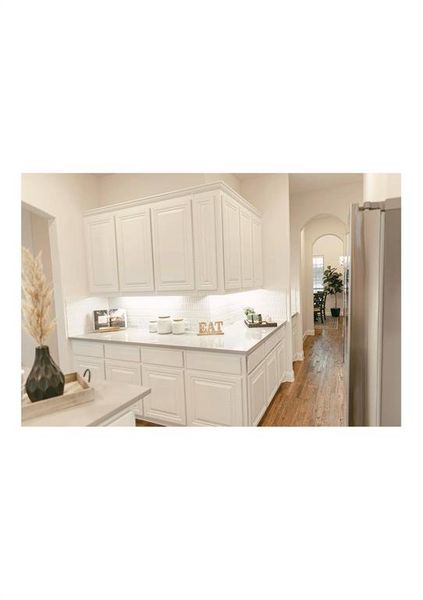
<point x="333" y="285"/>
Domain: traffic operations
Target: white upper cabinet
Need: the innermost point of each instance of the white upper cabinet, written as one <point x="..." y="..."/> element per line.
<point x="209" y="240"/>
<point x="231" y="243"/>
<point x="204" y="213"/>
<point x="100" y="243"/>
<point x="257" y="251"/>
<point x="135" y="257"/>
<point x="173" y="244"/>
<point x="247" y="275"/>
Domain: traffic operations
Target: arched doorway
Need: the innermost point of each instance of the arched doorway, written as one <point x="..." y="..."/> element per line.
<point x="314" y="230"/>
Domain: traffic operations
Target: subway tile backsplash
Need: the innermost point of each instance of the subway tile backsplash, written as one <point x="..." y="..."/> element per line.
<point x="194" y="308"/>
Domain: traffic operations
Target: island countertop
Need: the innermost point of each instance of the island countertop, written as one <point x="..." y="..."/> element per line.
<point x="110" y="399"/>
<point x="238" y="338"/>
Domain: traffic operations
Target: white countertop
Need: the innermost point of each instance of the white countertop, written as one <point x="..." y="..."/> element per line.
<point x="110" y="399"/>
<point x="237" y="338"/>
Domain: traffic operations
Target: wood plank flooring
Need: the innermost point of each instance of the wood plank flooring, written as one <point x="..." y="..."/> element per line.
<point x="316" y="397"/>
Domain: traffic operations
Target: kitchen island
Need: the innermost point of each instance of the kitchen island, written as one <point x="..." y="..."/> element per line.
<point x="114" y="404"/>
<point x="212" y="380"/>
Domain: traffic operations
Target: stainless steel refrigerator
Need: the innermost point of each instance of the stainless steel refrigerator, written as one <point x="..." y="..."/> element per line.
<point x="372" y="351"/>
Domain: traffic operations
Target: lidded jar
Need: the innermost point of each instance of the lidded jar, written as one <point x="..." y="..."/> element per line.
<point x="164" y="324"/>
<point x="178" y="326"/>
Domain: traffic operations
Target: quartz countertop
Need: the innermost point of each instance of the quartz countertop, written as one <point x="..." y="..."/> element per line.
<point x="238" y="338"/>
<point x="111" y="398"/>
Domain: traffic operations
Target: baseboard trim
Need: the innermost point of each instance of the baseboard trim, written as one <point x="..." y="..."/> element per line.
<point x="308" y="332"/>
<point x="298" y="356"/>
<point x="289" y="376"/>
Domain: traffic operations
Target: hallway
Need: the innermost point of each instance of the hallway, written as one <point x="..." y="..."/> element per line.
<point x="316" y="397"/>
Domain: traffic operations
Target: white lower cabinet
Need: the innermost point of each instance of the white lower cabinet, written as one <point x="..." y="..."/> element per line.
<point x="123" y="371"/>
<point x="257" y="394"/>
<point x="94" y="364"/>
<point x="213" y="399"/>
<point x="272" y="374"/>
<point x="166" y="402"/>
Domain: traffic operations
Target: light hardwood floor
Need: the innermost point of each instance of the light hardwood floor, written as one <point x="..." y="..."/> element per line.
<point x="316" y="397"/>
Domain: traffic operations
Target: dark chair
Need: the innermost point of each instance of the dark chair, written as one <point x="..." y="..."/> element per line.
<point x="319" y="304"/>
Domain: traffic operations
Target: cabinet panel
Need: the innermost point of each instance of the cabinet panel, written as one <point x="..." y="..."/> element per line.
<point x="231" y="243"/>
<point x="205" y="240"/>
<point x="122" y="351"/>
<point x="257" y="253"/>
<point x="213" y="399"/>
<point x="166" y="402"/>
<point x="100" y="241"/>
<point x="245" y="221"/>
<point x="257" y="394"/>
<point x="272" y="375"/>
<point x="95" y="365"/>
<point x="214" y="361"/>
<point x="173" y="244"/>
<point x="122" y="371"/>
<point x="135" y="258"/>
<point x="281" y="352"/>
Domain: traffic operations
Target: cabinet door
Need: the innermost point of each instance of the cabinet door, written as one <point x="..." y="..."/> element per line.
<point x="95" y="365"/>
<point x="173" y="245"/>
<point x="245" y="222"/>
<point x="205" y="240"/>
<point x="100" y="241"/>
<point x="281" y="352"/>
<point x="125" y="420"/>
<point x="135" y="257"/>
<point x="166" y="402"/>
<point x="257" y="394"/>
<point x="213" y="399"/>
<point x="231" y="244"/>
<point x="272" y="375"/>
<point x="257" y="253"/>
<point x="122" y="371"/>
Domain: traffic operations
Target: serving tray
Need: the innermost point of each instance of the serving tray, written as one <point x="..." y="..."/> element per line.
<point x="77" y="391"/>
<point x="262" y="324"/>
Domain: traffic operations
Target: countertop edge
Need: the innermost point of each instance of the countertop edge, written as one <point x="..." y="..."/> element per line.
<point x="120" y="408"/>
<point x="84" y="337"/>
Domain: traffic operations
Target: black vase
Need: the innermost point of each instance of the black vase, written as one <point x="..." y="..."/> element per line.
<point x="335" y="312"/>
<point x="45" y="380"/>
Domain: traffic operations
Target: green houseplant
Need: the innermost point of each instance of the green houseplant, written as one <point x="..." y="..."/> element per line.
<point x="333" y="285"/>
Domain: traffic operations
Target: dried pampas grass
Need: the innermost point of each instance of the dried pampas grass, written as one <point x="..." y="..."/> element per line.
<point x="37" y="298"/>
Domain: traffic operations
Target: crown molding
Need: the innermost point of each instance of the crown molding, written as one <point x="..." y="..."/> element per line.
<point x="197" y="189"/>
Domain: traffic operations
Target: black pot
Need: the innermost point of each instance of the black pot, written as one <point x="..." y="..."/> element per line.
<point x="45" y="380"/>
<point x="335" y="312"/>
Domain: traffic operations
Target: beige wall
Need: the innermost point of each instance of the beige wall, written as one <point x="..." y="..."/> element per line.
<point x="121" y="187"/>
<point x="377" y="187"/>
<point x="63" y="198"/>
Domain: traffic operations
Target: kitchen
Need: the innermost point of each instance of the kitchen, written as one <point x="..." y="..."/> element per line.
<point x="187" y="290"/>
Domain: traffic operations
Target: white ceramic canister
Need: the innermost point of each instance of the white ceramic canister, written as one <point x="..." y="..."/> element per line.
<point x="178" y="326"/>
<point x="164" y="324"/>
<point x="152" y="326"/>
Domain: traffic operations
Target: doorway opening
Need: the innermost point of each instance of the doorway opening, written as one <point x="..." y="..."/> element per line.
<point x="38" y="234"/>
